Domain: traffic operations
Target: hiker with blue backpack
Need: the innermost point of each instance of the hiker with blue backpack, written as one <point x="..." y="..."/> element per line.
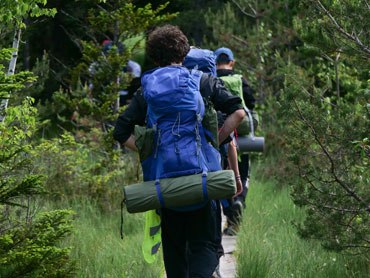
<point x="205" y="61"/>
<point x="171" y="102"/>
<point x="239" y="86"/>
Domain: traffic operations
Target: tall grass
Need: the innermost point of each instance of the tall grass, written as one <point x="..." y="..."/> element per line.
<point x="268" y="245"/>
<point x="98" y="249"/>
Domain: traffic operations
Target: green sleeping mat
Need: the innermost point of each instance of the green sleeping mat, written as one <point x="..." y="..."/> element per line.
<point x="179" y="191"/>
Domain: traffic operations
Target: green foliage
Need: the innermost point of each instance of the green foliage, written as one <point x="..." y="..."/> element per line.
<point x="99" y="230"/>
<point x="93" y="98"/>
<point x="333" y="26"/>
<point x="268" y="245"/>
<point x="12" y="13"/>
<point x="255" y="31"/>
<point x="321" y="144"/>
<point x="308" y="62"/>
<point x="18" y="127"/>
<point x="30" y="249"/>
<point x="324" y="107"/>
<point x="76" y="170"/>
<point x="28" y="241"/>
<point x="41" y="70"/>
<point x="126" y="20"/>
<point x="14" y="82"/>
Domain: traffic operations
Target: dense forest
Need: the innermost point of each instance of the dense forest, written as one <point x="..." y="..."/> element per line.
<point x="307" y="61"/>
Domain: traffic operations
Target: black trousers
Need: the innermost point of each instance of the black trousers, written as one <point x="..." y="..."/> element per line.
<point x="244" y="170"/>
<point x="191" y="241"/>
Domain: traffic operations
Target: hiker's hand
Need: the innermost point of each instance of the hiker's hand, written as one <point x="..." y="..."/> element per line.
<point x="130" y="143"/>
<point x="239" y="188"/>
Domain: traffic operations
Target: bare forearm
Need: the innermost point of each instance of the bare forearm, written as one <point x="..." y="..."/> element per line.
<point x="130" y="143"/>
<point x="231" y="123"/>
<point x="233" y="158"/>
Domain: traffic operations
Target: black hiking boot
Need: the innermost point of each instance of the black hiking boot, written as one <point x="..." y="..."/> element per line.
<point x="217" y="273"/>
<point x="234" y="219"/>
<point x="230" y="231"/>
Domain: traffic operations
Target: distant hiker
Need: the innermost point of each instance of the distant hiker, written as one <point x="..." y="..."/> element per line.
<point x="238" y="85"/>
<point x="132" y="68"/>
<point x="191" y="235"/>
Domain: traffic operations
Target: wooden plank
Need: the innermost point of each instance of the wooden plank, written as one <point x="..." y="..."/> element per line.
<point x="228" y="262"/>
<point x="227" y="266"/>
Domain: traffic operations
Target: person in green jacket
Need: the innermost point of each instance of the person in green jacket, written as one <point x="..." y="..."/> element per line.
<point x="239" y="86"/>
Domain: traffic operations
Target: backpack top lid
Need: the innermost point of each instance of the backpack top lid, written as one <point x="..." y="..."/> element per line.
<point x="171" y="89"/>
<point x="201" y="59"/>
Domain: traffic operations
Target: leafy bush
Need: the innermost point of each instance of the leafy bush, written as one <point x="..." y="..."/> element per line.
<point x="78" y="169"/>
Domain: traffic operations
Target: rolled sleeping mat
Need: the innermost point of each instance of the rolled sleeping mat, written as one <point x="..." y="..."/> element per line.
<point x="251" y="144"/>
<point x="179" y="191"/>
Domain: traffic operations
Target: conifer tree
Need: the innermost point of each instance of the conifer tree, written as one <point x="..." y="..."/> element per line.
<point x="325" y="108"/>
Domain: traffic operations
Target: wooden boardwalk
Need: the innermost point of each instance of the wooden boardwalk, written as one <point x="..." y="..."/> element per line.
<point x="228" y="262"/>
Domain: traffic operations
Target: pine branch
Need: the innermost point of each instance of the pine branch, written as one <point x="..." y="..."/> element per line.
<point x="367" y="5"/>
<point x="254" y="15"/>
<point x="343" y="210"/>
<point x="318" y="189"/>
<point x="353" y="37"/>
<point x="332" y="163"/>
<point x="357" y="245"/>
<point x="311" y="95"/>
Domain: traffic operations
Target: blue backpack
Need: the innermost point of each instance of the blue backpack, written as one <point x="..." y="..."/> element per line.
<point x="175" y="112"/>
<point x="201" y="59"/>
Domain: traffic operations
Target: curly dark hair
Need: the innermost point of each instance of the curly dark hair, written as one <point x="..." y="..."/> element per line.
<point x="166" y="45"/>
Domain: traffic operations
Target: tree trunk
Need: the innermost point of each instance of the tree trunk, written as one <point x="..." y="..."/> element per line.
<point x="11" y="70"/>
<point x="26" y="51"/>
<point x="337" y="75"/>
<point x="259" y="61"/>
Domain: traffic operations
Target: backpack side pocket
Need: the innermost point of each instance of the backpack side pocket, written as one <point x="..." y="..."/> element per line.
<point x="210" y="123"/>
<point x="144" y="141"/>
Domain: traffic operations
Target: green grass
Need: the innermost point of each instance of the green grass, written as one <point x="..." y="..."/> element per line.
<point x="100" y="252"/>
<point x="268" y="245"/>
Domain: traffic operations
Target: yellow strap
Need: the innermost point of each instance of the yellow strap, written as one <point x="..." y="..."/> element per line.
<point x="152" y="236"/>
